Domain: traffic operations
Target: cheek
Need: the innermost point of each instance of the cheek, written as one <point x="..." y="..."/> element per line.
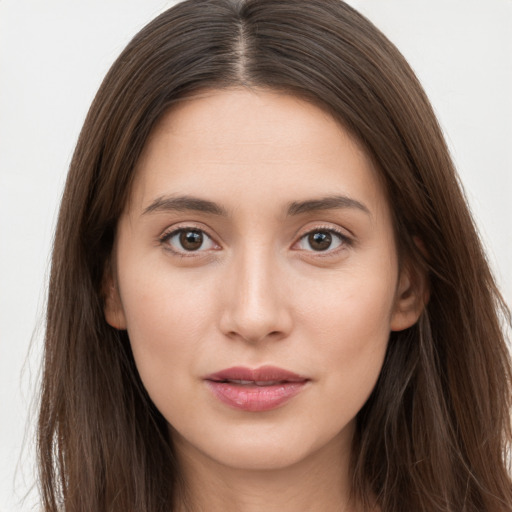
<point x="348" y="322"/>
<point x="354" y="305"/>
<point x="167" y="319"/>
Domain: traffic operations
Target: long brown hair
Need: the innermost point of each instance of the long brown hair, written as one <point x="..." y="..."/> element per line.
<point x="434" y="435"/>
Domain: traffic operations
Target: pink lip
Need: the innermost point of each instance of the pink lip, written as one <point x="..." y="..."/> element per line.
<point x="257" y="396"/>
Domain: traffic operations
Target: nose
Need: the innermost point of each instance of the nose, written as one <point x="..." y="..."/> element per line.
<point x="256" y="303"/>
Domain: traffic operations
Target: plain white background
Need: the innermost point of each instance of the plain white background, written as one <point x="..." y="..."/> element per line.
<point x="53" y="56"/>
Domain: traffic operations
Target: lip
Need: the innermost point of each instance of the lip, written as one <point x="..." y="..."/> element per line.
<point x="255" y="390"/>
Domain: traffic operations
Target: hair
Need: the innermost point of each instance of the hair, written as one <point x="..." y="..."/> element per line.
<point x="435" y="434"/>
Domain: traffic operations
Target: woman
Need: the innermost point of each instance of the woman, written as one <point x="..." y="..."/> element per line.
<point x="267" y="292"/>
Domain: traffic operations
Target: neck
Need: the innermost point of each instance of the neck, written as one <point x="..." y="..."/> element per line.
<point x="319" y="483"/>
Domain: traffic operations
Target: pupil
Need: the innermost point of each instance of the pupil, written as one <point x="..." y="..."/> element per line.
<point x="320" y="241"/>
<point x="191" y="240"/>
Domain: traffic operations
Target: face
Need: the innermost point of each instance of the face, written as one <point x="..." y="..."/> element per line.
<point x="257" y="277"/>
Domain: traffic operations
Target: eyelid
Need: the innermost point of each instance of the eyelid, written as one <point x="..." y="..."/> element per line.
<point x="346" y="240"/>
<point x="171" y="231"/>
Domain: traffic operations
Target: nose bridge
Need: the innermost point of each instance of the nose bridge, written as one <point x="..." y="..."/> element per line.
<point x="256" y="306"/>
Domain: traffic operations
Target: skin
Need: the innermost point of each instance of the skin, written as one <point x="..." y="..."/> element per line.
<point x="257" y="292"/>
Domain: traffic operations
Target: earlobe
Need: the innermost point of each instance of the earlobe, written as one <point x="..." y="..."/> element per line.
<point x="113" y="308"/>
<point x="411" y="299"/>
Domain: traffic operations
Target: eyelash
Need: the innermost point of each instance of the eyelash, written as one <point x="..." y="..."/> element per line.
<point x="345" y="241"/>
<point x="168" y="235"/>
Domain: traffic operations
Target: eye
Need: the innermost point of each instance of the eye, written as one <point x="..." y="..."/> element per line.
<point x="322" y="240"/>
<point x="186" y="240"/>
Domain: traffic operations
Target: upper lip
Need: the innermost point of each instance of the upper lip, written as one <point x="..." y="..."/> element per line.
<point x="262" y="374"/>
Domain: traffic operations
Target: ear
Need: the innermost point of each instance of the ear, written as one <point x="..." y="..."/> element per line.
<point x="112" y="306"/>
<point x="411" y="298"/>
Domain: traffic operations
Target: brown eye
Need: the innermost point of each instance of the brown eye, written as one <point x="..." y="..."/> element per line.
<point x="323" y="240"/>
<point x="188" y="240"/>
<point x="320" y="240"/>
<point x="191" y="240"/>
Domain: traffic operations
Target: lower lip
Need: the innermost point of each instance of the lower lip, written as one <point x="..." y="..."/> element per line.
<point x="255" y="398"/>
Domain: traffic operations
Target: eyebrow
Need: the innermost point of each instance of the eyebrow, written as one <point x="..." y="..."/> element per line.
<point x="326" y="203"/>
<point x="190" y="203"/>
<point x="185" y="203"/>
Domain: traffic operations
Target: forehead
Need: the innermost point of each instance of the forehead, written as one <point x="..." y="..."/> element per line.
<point x="242" y="145"/>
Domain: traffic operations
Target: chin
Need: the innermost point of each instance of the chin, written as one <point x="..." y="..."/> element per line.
<point x="260" y="449"/>
<point x="262" y="457"/>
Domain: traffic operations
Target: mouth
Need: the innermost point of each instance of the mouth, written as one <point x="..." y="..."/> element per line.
<point x="261" y="383"/>
<point x="265" y="375"/>
<point x="255" y="390"/>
